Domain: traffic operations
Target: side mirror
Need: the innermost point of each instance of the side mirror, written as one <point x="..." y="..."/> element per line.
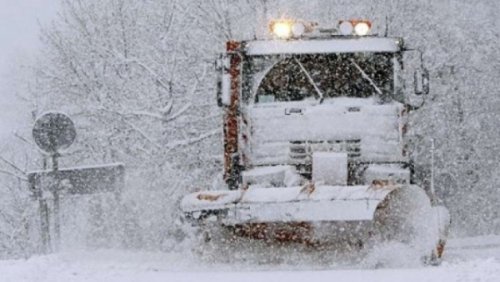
<point x="415" y="78"/>
<point x="223" y="81"/>
<point x="421" y="81"/>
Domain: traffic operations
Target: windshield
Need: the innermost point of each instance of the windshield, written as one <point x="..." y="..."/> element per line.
<point x="323" y="76"/>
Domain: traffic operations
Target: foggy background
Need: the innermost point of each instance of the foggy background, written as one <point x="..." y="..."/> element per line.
<point x="19" y="38"/>
<point x="138" y="81"/>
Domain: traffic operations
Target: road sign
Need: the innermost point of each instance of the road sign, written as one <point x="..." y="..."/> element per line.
<point x="53" y="132"/>
<point x="73" y="181"/>
<point x="78" y="180"/>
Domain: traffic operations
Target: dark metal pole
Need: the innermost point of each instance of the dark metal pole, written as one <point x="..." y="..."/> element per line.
<point x="44" y="225"/>
<point x="55" y="193"/>
<point x="44" y="216"/>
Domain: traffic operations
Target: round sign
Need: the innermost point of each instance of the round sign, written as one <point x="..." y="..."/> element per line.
<point x="53" y="132"/>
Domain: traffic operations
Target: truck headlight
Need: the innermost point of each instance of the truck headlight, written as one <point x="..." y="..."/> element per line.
<point x="298" y="29"/>
<point x="362" y="28"/>
<point x="281" y="29"/>
<point x="346" y="28"/>
<point x="355" y="27"/>
<point x="286" y="29"/>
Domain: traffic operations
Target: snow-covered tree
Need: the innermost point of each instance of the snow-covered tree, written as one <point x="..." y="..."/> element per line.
<point x="137" y="78"/>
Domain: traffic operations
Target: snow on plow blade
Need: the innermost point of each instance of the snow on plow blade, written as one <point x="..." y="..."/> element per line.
<point x="327" y="215"/>
<point x="286" y="205"/>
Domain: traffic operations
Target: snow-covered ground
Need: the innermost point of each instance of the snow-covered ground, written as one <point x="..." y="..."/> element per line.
<point x="471" y="259"/>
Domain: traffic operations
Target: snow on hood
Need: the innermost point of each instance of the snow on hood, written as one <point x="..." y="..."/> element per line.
<point x="375" y="126"/>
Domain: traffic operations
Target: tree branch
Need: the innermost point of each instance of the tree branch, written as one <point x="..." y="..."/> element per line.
<point x="175" y="144"/>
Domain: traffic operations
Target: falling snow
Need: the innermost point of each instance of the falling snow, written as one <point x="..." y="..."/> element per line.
<point x="137" y="79"/>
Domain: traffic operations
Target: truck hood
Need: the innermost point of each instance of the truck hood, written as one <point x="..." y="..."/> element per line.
<point x="360" y="126"/>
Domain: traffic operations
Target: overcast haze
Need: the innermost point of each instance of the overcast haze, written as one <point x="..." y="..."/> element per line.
<point x="305" y="151"/>
<point x="18" y="37"/>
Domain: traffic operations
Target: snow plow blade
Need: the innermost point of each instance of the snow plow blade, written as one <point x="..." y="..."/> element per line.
<point x="286" y="205"/>
<point x="326" y="215"/>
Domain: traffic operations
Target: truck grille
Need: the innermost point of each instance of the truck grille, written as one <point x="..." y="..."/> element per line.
<point x="301" y="151"/>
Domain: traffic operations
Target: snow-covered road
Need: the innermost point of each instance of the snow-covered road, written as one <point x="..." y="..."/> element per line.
<point x="472" y="259"/>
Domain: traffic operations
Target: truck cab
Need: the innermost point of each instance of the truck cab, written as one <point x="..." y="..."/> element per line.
<point x="336" y="98"/>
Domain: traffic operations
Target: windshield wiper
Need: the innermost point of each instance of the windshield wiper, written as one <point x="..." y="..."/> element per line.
<point x="316" y="88"/>
<point x="365" y="76"/>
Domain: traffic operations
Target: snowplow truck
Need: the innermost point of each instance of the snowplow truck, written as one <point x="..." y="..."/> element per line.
<point x="315" y="145"/>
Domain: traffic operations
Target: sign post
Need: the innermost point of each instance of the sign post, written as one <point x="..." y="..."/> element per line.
<point x="87" y="180"/>
<point x="57" y="205"/>
<point x="52" y="133"/>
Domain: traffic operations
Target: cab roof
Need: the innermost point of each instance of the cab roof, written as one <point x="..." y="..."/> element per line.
<point x="322" y="46"/>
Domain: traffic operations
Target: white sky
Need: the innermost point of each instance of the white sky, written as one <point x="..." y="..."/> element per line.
<point x="18" y="37"/>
